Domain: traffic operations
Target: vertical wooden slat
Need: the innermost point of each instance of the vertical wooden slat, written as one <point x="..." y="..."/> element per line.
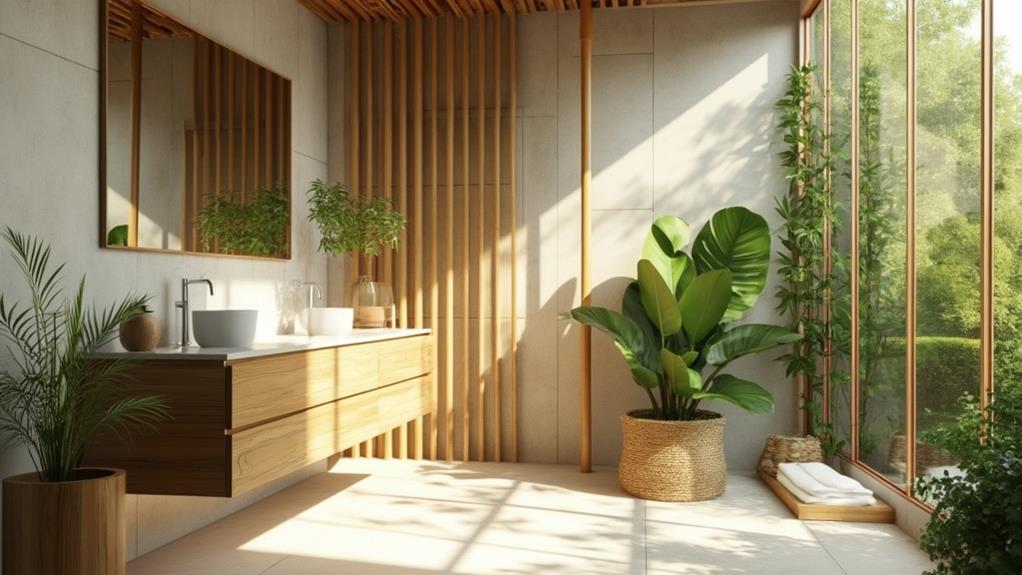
<point x="495" y="280"/>
<point x="434" y="283"/>
<point x="417" y="161"/>
<point x="193" y="243"/>
<point x="137" y="20"/>
<point x="480" y="238"/>
<point x="245" y="91"/>
<point x="204" y="124"/>
<point x="231" y="79"/>
<point x="281" y="132"/>
<point x="268" y="131"/>
<point x="354" y="122"/>
<point x="257" y="137"/>
<point x="402" y="166"/>
<point x="466" y="147"/>
<point x="449" y="246"/>
<point x="388" y="134"/>
<point x="513" y="217"/>
<point x="402" y="272"/>
<point x="218" y="119"/>
<point x="585" y="334"/>
<point x="369" y="129"/>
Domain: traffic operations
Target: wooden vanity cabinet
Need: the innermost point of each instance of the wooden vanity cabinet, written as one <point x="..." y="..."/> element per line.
<point x="238" y="424"/>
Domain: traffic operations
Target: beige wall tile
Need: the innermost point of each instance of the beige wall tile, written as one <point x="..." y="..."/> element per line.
<point x="67" y="28"/>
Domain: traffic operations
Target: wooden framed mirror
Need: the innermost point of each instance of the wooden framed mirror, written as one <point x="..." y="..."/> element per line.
<point x="195" y="141"/>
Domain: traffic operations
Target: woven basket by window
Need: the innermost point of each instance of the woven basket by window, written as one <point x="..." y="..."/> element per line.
<point x="788" y="449"/>
<point x="673" y="460"/>
<point x="927" y="455"/>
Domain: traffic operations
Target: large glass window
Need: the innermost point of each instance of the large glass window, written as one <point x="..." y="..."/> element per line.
<point x="882" y="262"/>
<point x="1007" y="193"/>
<point x="948" y="290"/>
<point x="840" y="94"/>
<point x="947" y="168"/>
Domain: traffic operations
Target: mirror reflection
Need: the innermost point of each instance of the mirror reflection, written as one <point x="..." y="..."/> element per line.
<point x="197" y="142"/>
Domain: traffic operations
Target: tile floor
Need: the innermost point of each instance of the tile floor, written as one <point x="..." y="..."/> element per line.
<point x="374" y="516"/>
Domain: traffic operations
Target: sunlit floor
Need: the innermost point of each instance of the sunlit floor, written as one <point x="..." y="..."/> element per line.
<point x="375" y="516"/>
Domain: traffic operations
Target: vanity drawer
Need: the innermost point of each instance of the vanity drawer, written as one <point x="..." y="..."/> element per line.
<point x="269" y="387"/>
<point x="266" y="452"/>
<point x="402" y="359"/>
<point x="266" y="388"/>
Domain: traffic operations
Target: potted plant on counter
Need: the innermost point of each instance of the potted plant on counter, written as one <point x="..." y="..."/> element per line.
<point x="350" y="224"/>
<point x="677" y="332"/>
<point x="55" y="399"/>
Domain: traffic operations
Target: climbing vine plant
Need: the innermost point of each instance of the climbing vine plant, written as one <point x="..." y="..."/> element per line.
<point x="805" y="210"/>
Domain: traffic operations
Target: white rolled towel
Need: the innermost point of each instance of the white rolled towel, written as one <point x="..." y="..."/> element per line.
<point x="807" y="483"/>
<point x="854" y="501"/>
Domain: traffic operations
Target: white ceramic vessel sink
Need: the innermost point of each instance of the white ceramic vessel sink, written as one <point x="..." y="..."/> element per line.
<point x="224" y="327"/>
<point x="331" y="320"/>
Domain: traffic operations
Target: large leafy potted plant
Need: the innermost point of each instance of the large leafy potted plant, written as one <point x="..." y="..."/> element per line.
<point x="55" y="399"/>
<point x="677" y="332"/>
<point x="354" y="225"/>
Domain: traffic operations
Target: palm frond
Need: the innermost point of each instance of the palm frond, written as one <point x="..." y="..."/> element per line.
<point x="55" y="398"/>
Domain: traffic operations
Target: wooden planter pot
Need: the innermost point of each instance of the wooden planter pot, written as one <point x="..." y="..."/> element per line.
<point x="68" y="528"/>
<point x="673" y="460"/>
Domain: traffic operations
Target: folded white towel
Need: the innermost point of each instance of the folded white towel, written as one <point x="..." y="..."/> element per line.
<point x="797" y="475"/>
<point x="856" y="501"/>
<point x="831" y="479"/>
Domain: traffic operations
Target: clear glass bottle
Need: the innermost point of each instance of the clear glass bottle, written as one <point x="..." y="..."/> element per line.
<point x="373" y="302"/>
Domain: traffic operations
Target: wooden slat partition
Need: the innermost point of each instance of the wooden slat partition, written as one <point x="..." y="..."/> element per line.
<point x="432" y="128"/>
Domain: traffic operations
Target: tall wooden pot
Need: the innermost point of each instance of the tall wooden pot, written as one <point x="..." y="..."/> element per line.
<point x="67" y="528"/>
<point x="673" y="460"/>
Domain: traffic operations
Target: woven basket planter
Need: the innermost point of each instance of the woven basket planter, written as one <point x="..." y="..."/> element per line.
<point x="673" y="460"/>
<point x="788" y="449"/>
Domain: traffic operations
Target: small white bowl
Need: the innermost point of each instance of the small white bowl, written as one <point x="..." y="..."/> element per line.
<point x="224" y="327"/>
<point x="331" y="320"/>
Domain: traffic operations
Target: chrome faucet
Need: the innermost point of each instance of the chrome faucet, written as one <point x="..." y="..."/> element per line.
<point x="183" y="306"/>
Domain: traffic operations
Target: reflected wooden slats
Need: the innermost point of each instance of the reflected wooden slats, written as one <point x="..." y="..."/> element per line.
<point x="438" y="144"/>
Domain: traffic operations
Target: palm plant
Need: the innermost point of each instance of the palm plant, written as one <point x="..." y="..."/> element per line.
<point x="677" y="329"/>
<point x="56" y="398"/>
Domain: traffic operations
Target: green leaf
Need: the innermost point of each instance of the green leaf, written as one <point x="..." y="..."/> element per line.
<point x="663" y="247"/>
<point x="628" y="336"/>
<point x="690" y="357"/>
<point x="677" y="372"/>
<point x="736" y="239"/>
<point x="631" y="306"/>
<point x="658" y="300"/>
<point x="645" y="377"/>
<point x="703" y="304"/>
<point x="745" y="394"/>
<point x="747" y="339"/>
<point x="671" y="233"/>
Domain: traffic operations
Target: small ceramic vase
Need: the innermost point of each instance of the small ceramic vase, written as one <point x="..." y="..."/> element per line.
<point x="140" y="333"/>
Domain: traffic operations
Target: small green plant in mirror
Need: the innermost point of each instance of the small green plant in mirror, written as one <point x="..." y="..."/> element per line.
<point x="55" y="398"/>
<point x="677" y="330"/>
<point x="805" y="211"/>
<point x="117" y="236"/>
<point x="255" y="224"/>
<point x="977" y="516"/>
<point x="352" y="224"/>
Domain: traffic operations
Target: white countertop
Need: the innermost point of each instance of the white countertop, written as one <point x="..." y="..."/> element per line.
<point x="270" y="346"/>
